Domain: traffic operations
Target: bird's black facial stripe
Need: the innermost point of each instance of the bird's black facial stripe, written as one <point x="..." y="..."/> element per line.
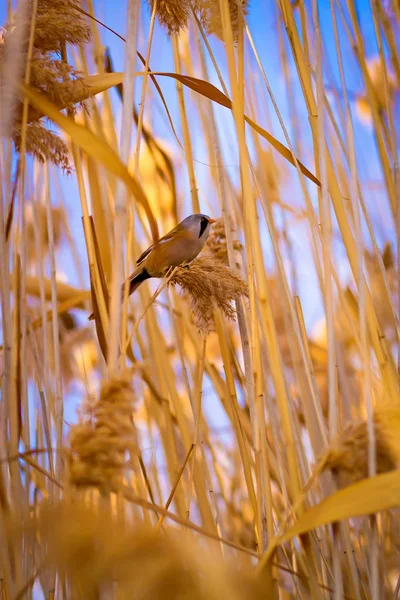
<point x="203" y="226"/>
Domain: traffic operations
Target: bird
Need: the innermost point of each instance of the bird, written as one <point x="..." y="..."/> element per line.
<point x="178" y="248"/>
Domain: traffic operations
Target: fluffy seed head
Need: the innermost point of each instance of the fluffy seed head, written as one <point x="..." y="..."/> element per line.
<point x="44" y="145"/>
<point x="57" y="23"/>
<point x="347" y="457"/>
<point x="172" y="14"/>
<point x="210" y="285"/>
<point x="211" y="19"/>
<point x="95" y="549"/>
<point x="99" y="448"/>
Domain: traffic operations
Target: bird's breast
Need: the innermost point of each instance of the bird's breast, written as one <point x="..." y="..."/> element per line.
<point x="172" y="253"/>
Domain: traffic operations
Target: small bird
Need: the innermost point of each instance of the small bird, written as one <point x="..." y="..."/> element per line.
<point x="175" y="249"/>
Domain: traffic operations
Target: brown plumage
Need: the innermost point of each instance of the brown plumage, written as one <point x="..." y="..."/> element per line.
<point x="179" y="247"/>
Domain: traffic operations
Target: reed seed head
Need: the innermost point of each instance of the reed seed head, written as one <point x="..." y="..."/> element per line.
<point x="99" y="447"/>
<point x="57" y="23"/>
<point x="57" y="80"/>
<point x="211" y="18"/>
<point x="173" y="15"/>
<point x="347" y="457"/>
<point x="94" y="549"/>
<point x="44" y="145"/>
<point x="210" y="285"/>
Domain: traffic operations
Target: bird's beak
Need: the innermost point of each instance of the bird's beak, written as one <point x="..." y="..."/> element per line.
<point x="211" y="221"/>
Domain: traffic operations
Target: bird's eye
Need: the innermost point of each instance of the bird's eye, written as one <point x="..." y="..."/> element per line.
<point x="203" y="225"/>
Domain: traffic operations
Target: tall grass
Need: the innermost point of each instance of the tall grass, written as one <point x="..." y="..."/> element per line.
<point x="202" y="438"/>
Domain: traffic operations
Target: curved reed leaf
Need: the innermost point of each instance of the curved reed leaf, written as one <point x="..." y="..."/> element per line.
<point x="363" y="498"/>
<point x="99" y="83"/>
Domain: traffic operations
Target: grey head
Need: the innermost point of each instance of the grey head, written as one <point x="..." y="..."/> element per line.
<point x="198" y="224"/>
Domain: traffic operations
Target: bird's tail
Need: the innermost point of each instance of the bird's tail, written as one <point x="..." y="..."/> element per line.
<point x="136" y="279"/>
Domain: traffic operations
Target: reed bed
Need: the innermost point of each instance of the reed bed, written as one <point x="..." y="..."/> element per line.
<point x="231" y="430"/>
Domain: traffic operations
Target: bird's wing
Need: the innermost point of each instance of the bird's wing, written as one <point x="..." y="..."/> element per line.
<point x="144" y="254"/>
<point x="162" y="240"/>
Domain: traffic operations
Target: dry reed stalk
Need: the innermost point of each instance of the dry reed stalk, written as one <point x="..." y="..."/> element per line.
<point x="13" y="378"/>
<point x="222" y="245"/>
<point x="187" y="142"/>
<point x="130" y="226"/>
<point x="186" y="437"/>
<point x="387" y="367"/>
<point x="379" y="124"/>
<point x="325" y="212"/>
<point x="166" y="417"/>
<point x="253" y="238"/>
<point x="39" y="223"/>
<point x="249" y="336"/>
<point x="390" y="112"/>
<point x="238" y="427"/>
<point x="257" y="411"/>
<point x="189" y="65"/>
<point x="144" y="90"/>
<point x="102" y="214"/>
<point x="15" y="389"/>
<point x="373" y="451"/>
<point x="102" y="186"/>
<point x="118" y="329"/>
<point x="222" y="84"/>
<point x="289" y="332"/>
<point x="58" y="405"/>
<point x="94" y="267"/>
<point x="195" y="415"/>
<point x="220" y="242"/>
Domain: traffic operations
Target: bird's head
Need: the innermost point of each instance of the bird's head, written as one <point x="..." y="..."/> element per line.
<point x="198" y="224"/>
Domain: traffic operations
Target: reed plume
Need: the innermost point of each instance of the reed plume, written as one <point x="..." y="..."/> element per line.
<point x="210" y="16"/>
<point x="173" y="15"/>
<point x="93" y="549"/>
<point x="99" y="446"/>
<point x="347" y="456"/>
<point x="209" y="284"/>
<point x="57" y="23"/>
